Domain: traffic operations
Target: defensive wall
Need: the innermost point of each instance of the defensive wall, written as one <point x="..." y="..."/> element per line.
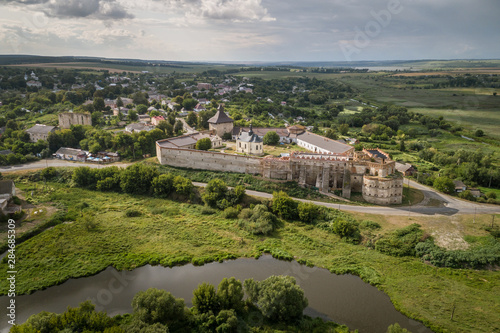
<point x="206" y="160"/>
<point x="375" y="179"/>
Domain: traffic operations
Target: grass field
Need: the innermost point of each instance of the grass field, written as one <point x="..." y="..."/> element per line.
<point x="486" y="119"/>
<point x="119" y="68"/>
<point x="170" y="233"/>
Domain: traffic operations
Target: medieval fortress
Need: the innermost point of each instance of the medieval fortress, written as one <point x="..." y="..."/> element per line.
<point x="330" y="166"/>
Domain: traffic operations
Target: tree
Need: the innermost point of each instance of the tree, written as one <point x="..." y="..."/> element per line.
<point x="205" y="298"/>
<point x="119" y="102"/>
<point x="140" y="98"/>
<point x="279" y="298"/>
<point x="402" y="145"/>
<point x="307" y="211"/>
<point x="467" y="195"/>
<point x="137" y="178"/>
<point x="284" y="206"/>
<point x="132" y="115"/>
<point x="141" y="109"/>
<point x="157" y="306"/>
<point x="84" y="177"/>
<point x="192" y="119"/>
<point x="189" y="103"/>
<point x="330" y="133"/>
<point x="163" y="185"/>
<point x="179" y="127"/>
<point x="166" y="127"/>
<point x="98" y="104"/>
<point x="182" y="185"/>
<point x="204" y="144"/>
<point x="344" y="129"/>
<point x="230" y="294"/>
<point x="396" y="329"/>
<point x="444" y="184"/>
<point x="271" y="138"/>
<point x="215" y="190"/>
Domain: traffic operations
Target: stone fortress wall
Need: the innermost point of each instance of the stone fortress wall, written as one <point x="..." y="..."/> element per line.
<point x="66" y="119"/>
<point x="372" y="172"/>
<point x="206" y="160"/>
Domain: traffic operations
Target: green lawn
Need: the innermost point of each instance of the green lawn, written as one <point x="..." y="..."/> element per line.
<point x="170" y="233"/>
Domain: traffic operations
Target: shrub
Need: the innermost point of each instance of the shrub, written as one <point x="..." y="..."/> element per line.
<point x="400" y="242"/>
<point x="367" y="224"/>
<point x="207" y="210"/>
<point x="137" y="178"/>
<point x="307" y="211"/>
<point x="215" y="190"/>
<point x="491" y="195"/>
<point x="183" y="186"/>
<point x="163" y="185"/>
<point x="230" y="213"/>
<point x="284" y="206"/>
<point x="259" y="221"/>
<point x="345" y="229"/>
<point x="133" y="213"/>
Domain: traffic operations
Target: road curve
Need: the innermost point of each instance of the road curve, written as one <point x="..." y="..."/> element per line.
<point x="442" y="204"/>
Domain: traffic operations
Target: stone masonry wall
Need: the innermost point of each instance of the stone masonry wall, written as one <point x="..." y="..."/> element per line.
<point x="196" y="159"/>
<point x="383" y="191"/>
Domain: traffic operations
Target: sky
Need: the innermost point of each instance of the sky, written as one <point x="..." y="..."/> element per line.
<point x="253" y="30"/>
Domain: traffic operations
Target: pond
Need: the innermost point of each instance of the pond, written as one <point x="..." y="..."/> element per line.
<point x="345" y="299"/>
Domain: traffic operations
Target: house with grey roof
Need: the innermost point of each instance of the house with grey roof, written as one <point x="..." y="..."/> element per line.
<point x="40" y="132"/>
<point x="320" y="144"/>
<point x="138" y="127"/>
<point x="71" y="154"/>
<point x="249" y="143"/>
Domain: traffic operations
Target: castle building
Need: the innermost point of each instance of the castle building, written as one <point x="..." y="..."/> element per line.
<point x="371" y="172"/>
<point x="249" y="143"/>
<point x="221" y="123"/>
<point x="66" y="119"/>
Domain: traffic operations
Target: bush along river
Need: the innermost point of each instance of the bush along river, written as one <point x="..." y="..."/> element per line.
<point x="344" y="299"/>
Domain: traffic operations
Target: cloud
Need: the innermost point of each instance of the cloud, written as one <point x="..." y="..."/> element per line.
<point x="96" y="9"/>
<point x="223" y="10"/>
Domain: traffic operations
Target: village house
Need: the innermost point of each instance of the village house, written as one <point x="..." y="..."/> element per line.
<point x="138" y="127"/>
<point x="406" y="169"/>
<point x="71" y="154"/>
<point x="108" y="156"/>
<point x="459" y="186"/>
<point x="144" y="118"/>
<point x="200" y="107"/>
<point x="40" y="132"/>
<point x="156" y="120"/>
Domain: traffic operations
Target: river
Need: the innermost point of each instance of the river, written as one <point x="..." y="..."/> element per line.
<point x="345" y="299"/>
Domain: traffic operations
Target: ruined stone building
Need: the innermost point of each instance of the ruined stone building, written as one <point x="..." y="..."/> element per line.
<point x="66" y="119"/>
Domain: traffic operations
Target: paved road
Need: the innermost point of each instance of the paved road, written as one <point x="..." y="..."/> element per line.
<point x="435" y="203"/>
<point x="55" y="163"/>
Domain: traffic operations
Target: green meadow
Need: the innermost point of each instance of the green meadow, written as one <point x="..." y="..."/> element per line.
<point x="171" y="233"/>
